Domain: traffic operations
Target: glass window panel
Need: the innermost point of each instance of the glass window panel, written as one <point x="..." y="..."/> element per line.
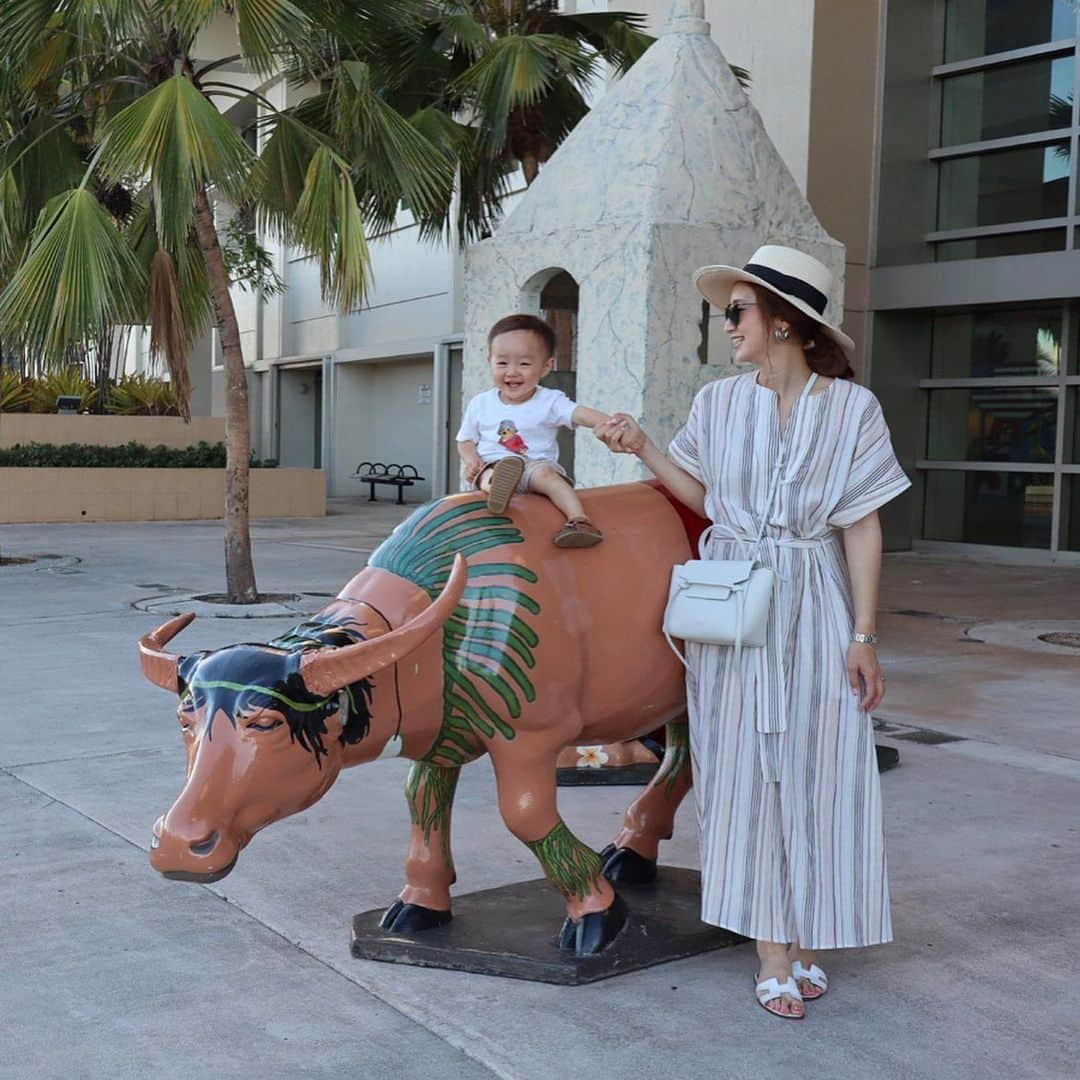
<point x="1010" y="185"/>
<point x="997" y="342"/>
<point x="1006" y="509"/>
<point x="982" y="27"/>
<point x="991" y="247"/>
<point x="1070" y="512"/>
<point x="993" y="423"/>
<point x="1012" y="100"/>
<point x="1072" y="427"/>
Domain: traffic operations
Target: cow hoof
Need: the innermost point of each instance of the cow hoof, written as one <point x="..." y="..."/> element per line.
<point x="402" y="918"/>
<point x="624" y="866"/>
<point x="594" y="932"/>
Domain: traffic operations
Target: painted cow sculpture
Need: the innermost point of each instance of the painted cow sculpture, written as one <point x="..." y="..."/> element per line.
<point x="467" y="633"/>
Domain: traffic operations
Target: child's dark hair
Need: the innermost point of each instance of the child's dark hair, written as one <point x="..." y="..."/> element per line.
<point x="524" y="322"/>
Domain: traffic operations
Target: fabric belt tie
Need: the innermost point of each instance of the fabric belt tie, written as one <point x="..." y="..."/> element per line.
<point x="767" y="665"/>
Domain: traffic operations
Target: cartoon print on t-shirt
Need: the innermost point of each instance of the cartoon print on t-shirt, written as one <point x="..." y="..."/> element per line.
<point x="509" y="437"/>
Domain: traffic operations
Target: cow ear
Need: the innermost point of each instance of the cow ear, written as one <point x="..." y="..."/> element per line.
<point x="185" y="671"/>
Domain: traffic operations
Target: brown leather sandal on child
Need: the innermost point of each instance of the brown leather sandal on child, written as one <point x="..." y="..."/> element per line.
<point x="578" y="533"/>
<point x="505" y="477"/>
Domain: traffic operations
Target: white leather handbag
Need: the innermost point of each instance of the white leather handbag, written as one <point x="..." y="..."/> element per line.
<point x="725" y="601"/>
<point x="719" y="602"/>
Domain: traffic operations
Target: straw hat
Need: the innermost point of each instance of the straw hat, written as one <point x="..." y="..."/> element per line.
<point x="799" y="279"/>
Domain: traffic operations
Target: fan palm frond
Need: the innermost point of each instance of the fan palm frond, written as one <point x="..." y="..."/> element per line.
<point x="327" y="222"/>
<point x="616" y="35"/>
<point x="265" y="27"/>
<point x="80" y="261"/>
<point x="12" y="218"/>
<point x="175" y="299"/>
<point x="174" y="135"/>
<point x="26" y="22"/>
<point x="278" y="178"/>
<point x="393" y="161"/>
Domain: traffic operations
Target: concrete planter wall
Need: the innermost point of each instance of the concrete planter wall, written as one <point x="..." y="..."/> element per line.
<point x="45" y="495"/>
<point x="109" y="430"/>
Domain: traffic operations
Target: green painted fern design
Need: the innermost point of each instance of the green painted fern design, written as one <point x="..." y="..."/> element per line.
<point x="430" y="794"/>
<point x="571" y="865"/>
<point x="484" y="645"/>
<point x="676" y="756"/>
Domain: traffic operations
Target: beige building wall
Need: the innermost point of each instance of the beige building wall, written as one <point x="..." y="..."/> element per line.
<point x="95" y="430"/>
<point x="842" y="137"/>
<point x="48" y="495"/>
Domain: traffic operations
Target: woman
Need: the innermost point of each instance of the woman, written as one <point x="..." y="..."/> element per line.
<point x="792" y="847"/>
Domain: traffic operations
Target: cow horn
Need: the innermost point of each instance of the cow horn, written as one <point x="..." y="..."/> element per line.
<point x="328" y="670"/>
<point x="159" y="666"/>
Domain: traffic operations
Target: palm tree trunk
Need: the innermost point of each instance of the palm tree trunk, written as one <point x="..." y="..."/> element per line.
<point x="239" y="570"/>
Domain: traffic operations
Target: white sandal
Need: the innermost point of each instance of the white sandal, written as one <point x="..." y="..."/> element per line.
<point x="770" y="989"/>
<point x="814" y="976"/>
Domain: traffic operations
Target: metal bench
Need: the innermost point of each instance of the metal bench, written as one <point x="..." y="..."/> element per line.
<point x="375" y="472"/>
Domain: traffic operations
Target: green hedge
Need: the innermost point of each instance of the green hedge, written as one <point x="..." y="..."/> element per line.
<point x="132" y="455"/>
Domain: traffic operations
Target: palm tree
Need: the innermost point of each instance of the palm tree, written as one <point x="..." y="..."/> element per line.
<point x="115" y="148"/>
<point x="501" y="83"/>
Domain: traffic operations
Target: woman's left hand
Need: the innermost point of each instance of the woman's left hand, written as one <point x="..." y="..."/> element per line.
<point x="621" y="434"/>
<point x="865" y="675"/>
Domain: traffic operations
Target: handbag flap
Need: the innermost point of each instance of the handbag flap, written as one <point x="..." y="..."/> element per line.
<point x="716" y="573"/>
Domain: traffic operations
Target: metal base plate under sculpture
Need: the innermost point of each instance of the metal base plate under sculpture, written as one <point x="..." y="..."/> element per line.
<point x="888" y="757"/>
<point x="636" y="775"/>
<point x="512" y="931"/>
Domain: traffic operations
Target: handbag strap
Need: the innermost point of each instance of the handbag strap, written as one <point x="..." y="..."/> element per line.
<point x="774" y="486"/>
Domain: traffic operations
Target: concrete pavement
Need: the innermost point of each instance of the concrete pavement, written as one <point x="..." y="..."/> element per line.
<point x="111" y="971"/>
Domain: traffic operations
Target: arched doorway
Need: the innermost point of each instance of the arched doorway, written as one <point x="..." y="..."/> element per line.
<point x="553" y="295"/>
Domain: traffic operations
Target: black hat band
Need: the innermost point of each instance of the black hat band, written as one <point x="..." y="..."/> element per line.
<point x="793" y="286"/>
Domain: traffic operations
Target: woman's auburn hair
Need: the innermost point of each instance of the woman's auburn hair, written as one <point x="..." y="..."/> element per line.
<point x="823" y="354"/>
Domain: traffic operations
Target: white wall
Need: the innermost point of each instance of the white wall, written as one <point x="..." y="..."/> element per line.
<point x="411" y="296"/>
<point x="246" y="305"/>
<point x="401" y="426"/>
<point x="773" y="39"/>
<point x="299" y="395"/>
<point x="378" y="417"/>
<point x="414" y="295"/>
<point x="310" y="326"/>
<point x="354" y="439"/>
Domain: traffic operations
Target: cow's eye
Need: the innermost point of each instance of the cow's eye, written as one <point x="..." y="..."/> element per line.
<point x="254" y="725"/>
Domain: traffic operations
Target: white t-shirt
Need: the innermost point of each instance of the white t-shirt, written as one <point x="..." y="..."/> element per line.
<point x="529" y="429"/>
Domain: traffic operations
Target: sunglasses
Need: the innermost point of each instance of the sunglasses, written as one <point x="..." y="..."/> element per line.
<point x="733" y="312"/>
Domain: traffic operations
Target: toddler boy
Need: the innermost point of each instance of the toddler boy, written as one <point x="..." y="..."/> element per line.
<point x="507" y="440"/>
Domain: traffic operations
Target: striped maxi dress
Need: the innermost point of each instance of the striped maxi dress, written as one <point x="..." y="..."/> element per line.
<point x="792" y="845"/>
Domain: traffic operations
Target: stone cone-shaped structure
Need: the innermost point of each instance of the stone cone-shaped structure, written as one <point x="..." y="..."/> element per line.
<point x="671" y="170"/>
